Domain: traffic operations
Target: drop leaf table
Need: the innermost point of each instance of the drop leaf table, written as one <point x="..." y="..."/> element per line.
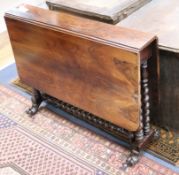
<point x="98" y="72"/>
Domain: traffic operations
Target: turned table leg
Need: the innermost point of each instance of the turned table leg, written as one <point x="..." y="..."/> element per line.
<point x="145" y="99"/>
<point x="145" y="105"/>
<point x="133" y="158"/>
<point x="144" y="134"/>
<point x="147" y="131"/>
<point x="36" y="101"/>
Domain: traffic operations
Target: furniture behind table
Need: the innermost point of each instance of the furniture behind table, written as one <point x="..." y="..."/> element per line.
<point x="161" y="18"/>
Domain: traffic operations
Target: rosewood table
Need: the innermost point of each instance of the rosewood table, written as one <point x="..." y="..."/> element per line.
<point x="98" y="72"/>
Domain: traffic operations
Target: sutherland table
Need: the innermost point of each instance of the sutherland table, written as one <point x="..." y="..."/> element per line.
<point x="93" y="70"/>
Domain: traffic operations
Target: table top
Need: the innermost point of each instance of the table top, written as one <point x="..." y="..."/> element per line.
<point x="112" y="35"/>
<point x="160" y="17"/>
<point x="106" y="10"/>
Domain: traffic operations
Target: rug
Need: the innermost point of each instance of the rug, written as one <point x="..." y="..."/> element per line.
<point x="48" y="144"/>
<point x="167" y="147"/>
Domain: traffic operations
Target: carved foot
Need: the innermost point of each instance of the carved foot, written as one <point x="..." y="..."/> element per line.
<point x="36" y="101"/>
<point x="131" y="160"/>
<point x="33" y="110"/>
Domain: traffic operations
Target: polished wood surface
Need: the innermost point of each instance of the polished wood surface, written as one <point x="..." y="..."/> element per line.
<point x="159" y="17"/>
<point x="104" y="33"/>
<point x="88" y="64"/>
<point x="6" y="54"/>
<point x="111" y="11"/>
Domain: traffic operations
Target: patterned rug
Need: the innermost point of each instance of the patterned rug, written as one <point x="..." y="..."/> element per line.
<point x="48" y="144"/>
<point x="167" y="147"/>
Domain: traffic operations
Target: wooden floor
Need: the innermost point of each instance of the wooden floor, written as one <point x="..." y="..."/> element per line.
<point x="6" y="55"/>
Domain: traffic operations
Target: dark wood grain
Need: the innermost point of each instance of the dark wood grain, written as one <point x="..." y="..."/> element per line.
<point x="88" y="64"/>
